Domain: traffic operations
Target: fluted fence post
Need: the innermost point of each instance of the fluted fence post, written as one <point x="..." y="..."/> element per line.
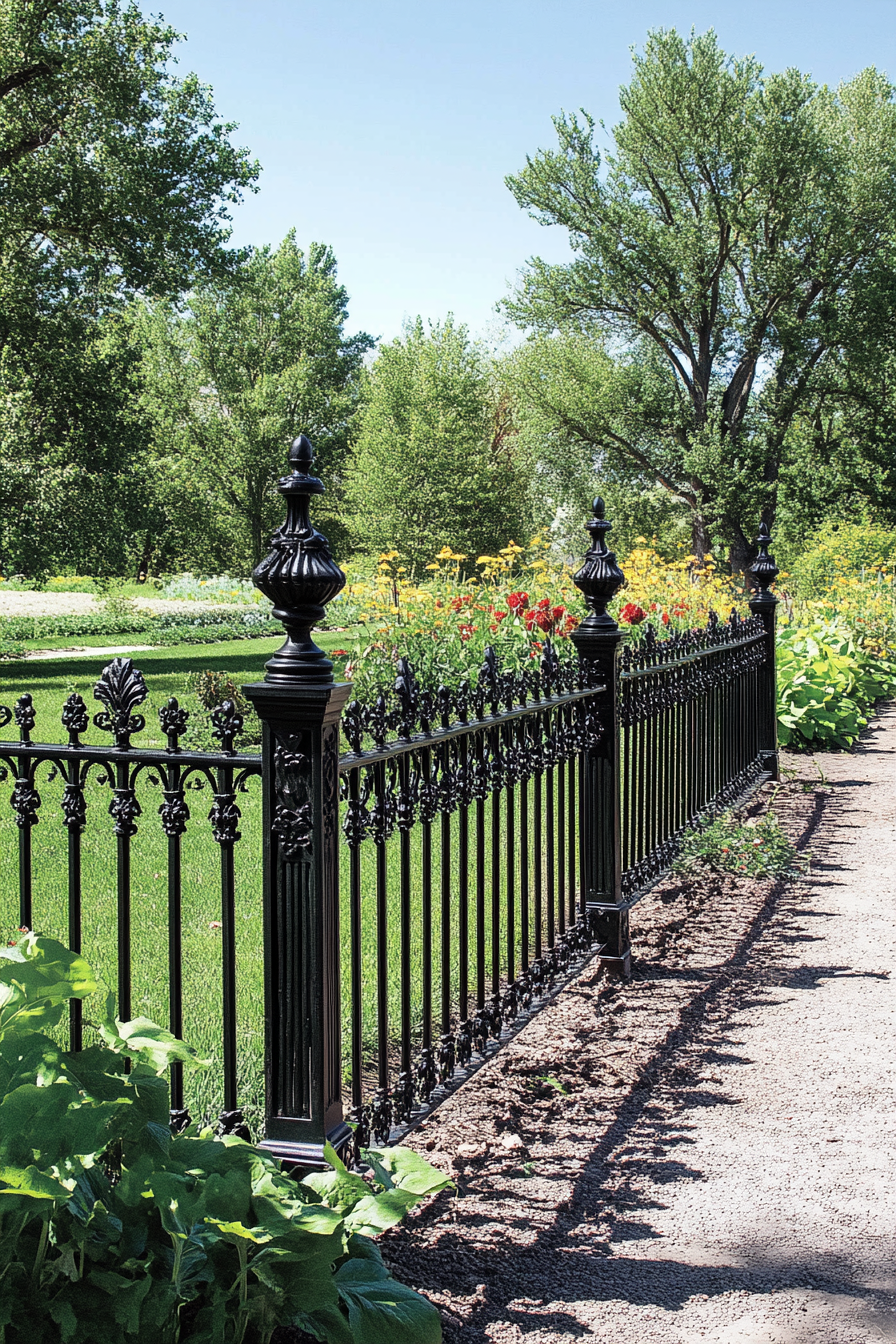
<point x="598" y="640"/>
<point x="300" y="707"/>
<point x="764" y="604"/>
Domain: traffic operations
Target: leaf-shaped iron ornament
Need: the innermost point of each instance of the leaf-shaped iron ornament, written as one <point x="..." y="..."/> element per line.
<point x="121" y="689"/>
<point x="600" y="578"/>
<point x="299" y="576"/>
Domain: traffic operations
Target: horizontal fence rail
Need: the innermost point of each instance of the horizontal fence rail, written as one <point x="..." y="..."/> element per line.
<point x="387" y="914"/>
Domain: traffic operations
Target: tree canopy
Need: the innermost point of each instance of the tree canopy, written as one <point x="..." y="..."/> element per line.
<point x="433" y="464"/>
<point x="230" y="379"/>
<point x="110" y="165"/>
<point x="729" y="251"/>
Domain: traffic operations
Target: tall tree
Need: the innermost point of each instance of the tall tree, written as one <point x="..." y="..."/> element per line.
<point x="250" y="362"/>
<point x="740" y="226"/>
<point x="116" y="177"/>
<point x="434" y="463"/>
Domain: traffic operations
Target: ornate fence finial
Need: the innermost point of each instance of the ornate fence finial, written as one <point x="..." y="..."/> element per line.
<point x="763" y="570"/>
<point x="299" y="576"/>
<point x="600" y="578"/>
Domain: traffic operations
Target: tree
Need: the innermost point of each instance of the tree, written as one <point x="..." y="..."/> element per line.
<point x="723" y="262"/>
<point x="434" y="463"/>
<point x="110" y="167"/>
<point x="115" y="178"/>
<point x="248" y="363"/>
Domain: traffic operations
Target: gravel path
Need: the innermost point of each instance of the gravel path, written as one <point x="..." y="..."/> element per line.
<point x="704" y="1154"/>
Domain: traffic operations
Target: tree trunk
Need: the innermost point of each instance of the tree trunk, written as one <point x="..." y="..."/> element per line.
<point x="700" y="539"/>
<point x="146" y="556"/>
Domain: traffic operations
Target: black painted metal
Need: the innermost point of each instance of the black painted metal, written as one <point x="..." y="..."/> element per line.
<point x="500" y="831"/>
<point x="125" y="768"/>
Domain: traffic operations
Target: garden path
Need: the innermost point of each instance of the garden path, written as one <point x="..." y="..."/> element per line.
<point x="706" y="1153"/>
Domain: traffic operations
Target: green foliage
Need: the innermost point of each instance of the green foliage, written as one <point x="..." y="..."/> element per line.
<point x="230" y="381"/>
<point x="113" y="1228"/>
<point x="753" y="849"/>
<point x="828" y="683"/>
<point x="111" y="165"/>
<point x="116" y="177"/>
<point x="434" y="461"/>
<point x="844" y="548"/>
<point x="736" y="224"/>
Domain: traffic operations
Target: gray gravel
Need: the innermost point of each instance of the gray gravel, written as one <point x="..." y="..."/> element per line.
<point x="719" y="1165"/>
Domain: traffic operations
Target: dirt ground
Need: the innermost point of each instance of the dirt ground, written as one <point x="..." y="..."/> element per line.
<point x="704" y="1153"/>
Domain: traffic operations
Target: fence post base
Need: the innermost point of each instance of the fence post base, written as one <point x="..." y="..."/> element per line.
<point x="611" y="929"/>
<point x="764" y="604"/>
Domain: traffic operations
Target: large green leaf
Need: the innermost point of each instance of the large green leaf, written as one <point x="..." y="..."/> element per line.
<point x="382" y="1311"/>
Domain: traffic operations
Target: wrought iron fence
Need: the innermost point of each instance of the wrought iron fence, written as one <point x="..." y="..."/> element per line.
<point x="496" y="834"/>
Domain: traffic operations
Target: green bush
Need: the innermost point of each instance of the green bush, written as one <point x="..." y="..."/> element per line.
<point x="827" y="684"/>
<point x="849" y="548"/>
<point x="120" y="617"/>
<point x="113" y="1229"/>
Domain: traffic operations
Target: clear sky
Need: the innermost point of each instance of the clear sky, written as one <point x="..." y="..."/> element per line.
<point x="385" y="127"/>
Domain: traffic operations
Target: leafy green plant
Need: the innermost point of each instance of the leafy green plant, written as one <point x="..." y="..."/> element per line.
<point x="112" y="1228"/>
<point x="828" y="681"/>
<point x="727" y="845"/>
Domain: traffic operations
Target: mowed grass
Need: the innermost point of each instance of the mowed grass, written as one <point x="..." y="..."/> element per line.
<point x="165" y="671"/>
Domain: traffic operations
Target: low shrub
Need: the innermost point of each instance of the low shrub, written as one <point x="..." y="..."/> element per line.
<point x="121" y="617"/>
<point x="113" y="1228"/>
<point x="828" y="682"/>
<point x="749" y="849"/>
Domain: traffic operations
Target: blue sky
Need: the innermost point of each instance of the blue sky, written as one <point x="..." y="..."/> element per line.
<point x="386" y="127"/>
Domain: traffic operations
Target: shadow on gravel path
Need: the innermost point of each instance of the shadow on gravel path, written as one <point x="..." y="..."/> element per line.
<point x="679" y="1167"/>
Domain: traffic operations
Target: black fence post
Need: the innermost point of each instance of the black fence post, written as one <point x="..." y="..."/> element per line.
<point x="598" y="640"/>
<point x="300" y="708"/>
<point x="764" y="604"/>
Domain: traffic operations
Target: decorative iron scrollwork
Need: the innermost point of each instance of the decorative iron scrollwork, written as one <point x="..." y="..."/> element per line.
<point x="74" y="808"/>
<point x="25" y="801"/>
<point x="173" y="720"/>
<point x="227" y="721"/>
<point x="75" y="719"/>
<point x="124" y="810"/>
<point x="174" y="813"/>
<point x="225" y="818"/>
<point x="294" y="828"/>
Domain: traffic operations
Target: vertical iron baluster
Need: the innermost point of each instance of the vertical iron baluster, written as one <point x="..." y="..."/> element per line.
<point x="74" y="814"/>
<point x="550" y="858"/>
<point x="355" y="835"/>
<point x="25" y="801"/>
<point x="537" y="831"/>
<point x="227" y="836"/>
<point x="497" y="783"/>
<point x="446" y="1044"/>
<point x="571" y="828"/>
<point x="174" y="829"/>
<point x="463" y="900"/>
<point x="123" y="831"/>
<point x="561" y="829"/>
<point x="481" y="1030"/>
<point x="382" y="1103"/>
<point x="510" y="878"/>
<point x="427" y="1061"/>
<point x="525" y="913"/>
<point x="404" y="1090"/>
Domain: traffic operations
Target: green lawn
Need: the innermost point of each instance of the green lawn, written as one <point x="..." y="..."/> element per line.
<point x="165" y="670"/>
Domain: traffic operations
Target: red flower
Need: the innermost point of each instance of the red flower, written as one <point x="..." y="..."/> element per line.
<point x="500" y="615"/>
<point x="340" y="653"/>
<point x="632" y="614"/>
<point x="569" y="625"/>
<point x="518" y="602"/>
<point x="680" y="608"/>
<point x="543" y="604"/>
<point x="665" y="618"/>
<point x="467" y="631"/>
<point x="529" y="618"/>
